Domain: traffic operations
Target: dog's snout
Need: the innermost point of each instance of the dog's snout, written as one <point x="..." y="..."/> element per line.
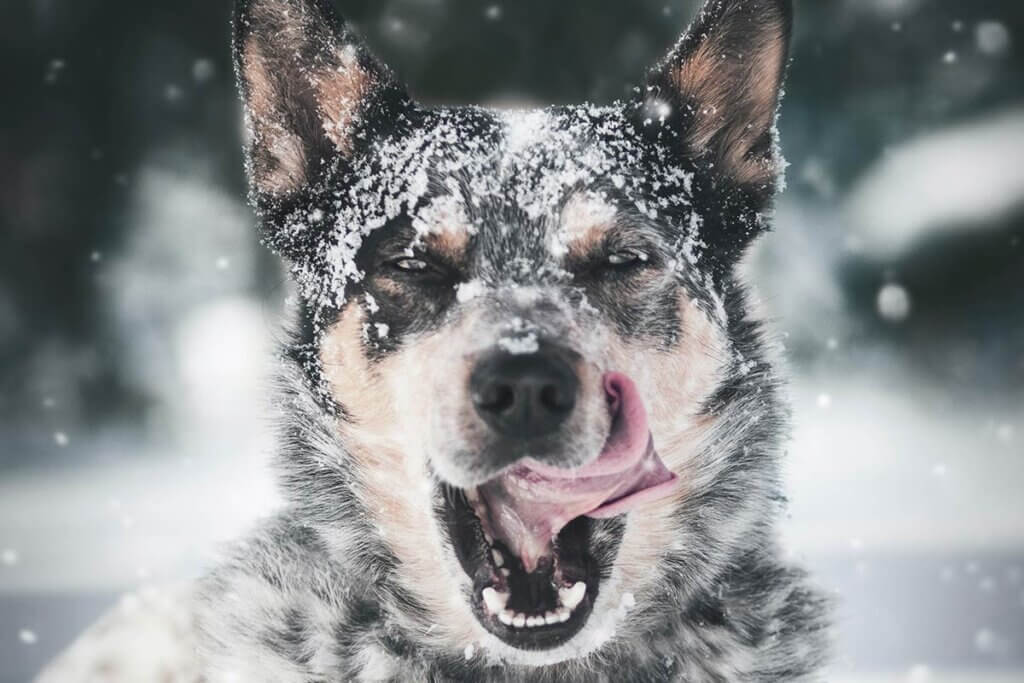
<point x="524" y="396"/>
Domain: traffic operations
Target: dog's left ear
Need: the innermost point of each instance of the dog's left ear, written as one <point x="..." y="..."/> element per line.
<point x="312" y="92"/>
<point x="725" y="77"/>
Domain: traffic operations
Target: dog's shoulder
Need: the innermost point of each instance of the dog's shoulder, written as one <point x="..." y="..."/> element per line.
<point x="272" y="611"/>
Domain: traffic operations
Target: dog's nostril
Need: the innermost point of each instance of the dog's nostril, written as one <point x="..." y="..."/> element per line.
<point x="495" y="397"/>
<point x="553" y="399"/>
<point x="524" y="396"/>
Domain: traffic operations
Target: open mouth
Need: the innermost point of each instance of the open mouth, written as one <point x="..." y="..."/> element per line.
<point x="527" y="537"/>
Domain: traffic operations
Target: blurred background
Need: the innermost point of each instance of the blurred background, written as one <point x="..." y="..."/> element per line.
<point x="138" y="314"/>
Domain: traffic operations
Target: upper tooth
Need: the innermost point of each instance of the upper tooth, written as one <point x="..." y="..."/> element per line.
<point x="499" y="559"/>
<point x="570" y="597"/>
<point x="495" y="600"/>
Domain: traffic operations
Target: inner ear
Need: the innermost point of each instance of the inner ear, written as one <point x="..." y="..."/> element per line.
<point x="310" y="88"/>
<point x="726" y="74"/>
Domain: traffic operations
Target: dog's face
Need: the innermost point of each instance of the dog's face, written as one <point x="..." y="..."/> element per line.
<point x="502" y="304"/>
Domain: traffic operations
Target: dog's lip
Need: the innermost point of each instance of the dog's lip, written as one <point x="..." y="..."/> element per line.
<point x="526" y="506"/>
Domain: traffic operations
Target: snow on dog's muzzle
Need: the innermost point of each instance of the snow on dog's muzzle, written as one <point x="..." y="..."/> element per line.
<point x="531" y="502"/>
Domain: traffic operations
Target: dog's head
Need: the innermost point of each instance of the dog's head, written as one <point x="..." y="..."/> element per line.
<point x="524" y="326"/>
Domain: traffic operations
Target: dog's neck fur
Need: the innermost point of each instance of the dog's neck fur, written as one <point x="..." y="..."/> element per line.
<point x="314" y="597"/>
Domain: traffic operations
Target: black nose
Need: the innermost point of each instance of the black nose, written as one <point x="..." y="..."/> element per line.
<point x="525" y="395"/>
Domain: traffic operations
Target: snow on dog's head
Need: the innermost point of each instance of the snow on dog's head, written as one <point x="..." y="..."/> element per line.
<point x="523" y="328"/>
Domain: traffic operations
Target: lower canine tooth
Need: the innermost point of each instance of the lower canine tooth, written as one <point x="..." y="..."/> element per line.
<point x="519" y="620"/>
<point x="563" y="614"/>
<point x="571" y="597"/>
<point x="499" y="559"/>
<point x="494" y="600"/>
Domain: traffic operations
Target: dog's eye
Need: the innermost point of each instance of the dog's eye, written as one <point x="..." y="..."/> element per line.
<point x="411" y="265"/>
<point x="627" y="257"/>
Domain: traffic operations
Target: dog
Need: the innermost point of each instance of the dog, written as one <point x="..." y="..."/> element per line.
<point x="531" y="429"/>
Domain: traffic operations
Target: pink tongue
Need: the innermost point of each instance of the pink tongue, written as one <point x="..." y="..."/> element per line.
<point x="528" y="505"/>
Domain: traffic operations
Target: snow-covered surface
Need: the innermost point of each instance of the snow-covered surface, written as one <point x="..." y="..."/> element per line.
<point x="961" y="178"/>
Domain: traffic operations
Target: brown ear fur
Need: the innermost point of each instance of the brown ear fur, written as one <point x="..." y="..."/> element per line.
<point x="306" y="82"/>
<point x="728" y="70"/>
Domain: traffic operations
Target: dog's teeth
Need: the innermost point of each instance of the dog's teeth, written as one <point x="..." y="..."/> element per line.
<point x="499" y="559"/>
<point x="505" y="571"/>
<point x="571" y="597"/>
<point x="563" y="614"/>
<point x="488" y="538"/>
<point x="534" y="622"/>
<point x="494" y="600"/>
<point x="506" y="617"/>
<point x="519" y="620"/>
<point x="551" y="618"/>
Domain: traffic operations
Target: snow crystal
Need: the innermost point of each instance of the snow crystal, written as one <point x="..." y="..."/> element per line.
<point x="173" y="92"/>
<point x="992" y="38"/>
<point x="919" y="673"/>
<point x="824" y="401"/>
<point x="940" y="470"/>
<point x="519" y="346"/>
<point x="222" y="263"/>
<point x="9" y="557"/>
<point x="203" y="70"/>
<point x="986" y="641"/>
<point x="95" y="256"/>
<point x="382" y="330"/>
<point x="493" y="12"/>
<point x="60" y="438"/>
<point x="467" y="291"/>
<point x="28" y="637"/>
<point x="950" y="57"/>
<point x="893" y="303"/>
<point x="53" y="70"/>
<point x="1004" y="433"/>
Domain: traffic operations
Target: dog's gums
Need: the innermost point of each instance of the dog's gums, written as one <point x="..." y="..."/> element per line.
<point x="523" y="537"/>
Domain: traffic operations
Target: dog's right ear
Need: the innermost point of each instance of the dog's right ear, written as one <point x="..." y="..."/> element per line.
<point x="312" y="91"/>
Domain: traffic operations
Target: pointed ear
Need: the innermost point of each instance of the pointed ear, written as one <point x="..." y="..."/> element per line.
<point x="726" y="74"/>
<point x="311" y="90"/>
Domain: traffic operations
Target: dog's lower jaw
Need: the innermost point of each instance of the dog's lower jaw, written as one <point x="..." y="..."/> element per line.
<point x="762" y="623"/>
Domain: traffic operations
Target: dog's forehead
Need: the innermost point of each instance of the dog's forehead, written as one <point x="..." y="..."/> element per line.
<point x="517" y="187"/>
<point x="521" y="183"/>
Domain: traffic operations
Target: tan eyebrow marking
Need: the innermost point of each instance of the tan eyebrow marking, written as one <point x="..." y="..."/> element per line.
<point x="585" y="219"/>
